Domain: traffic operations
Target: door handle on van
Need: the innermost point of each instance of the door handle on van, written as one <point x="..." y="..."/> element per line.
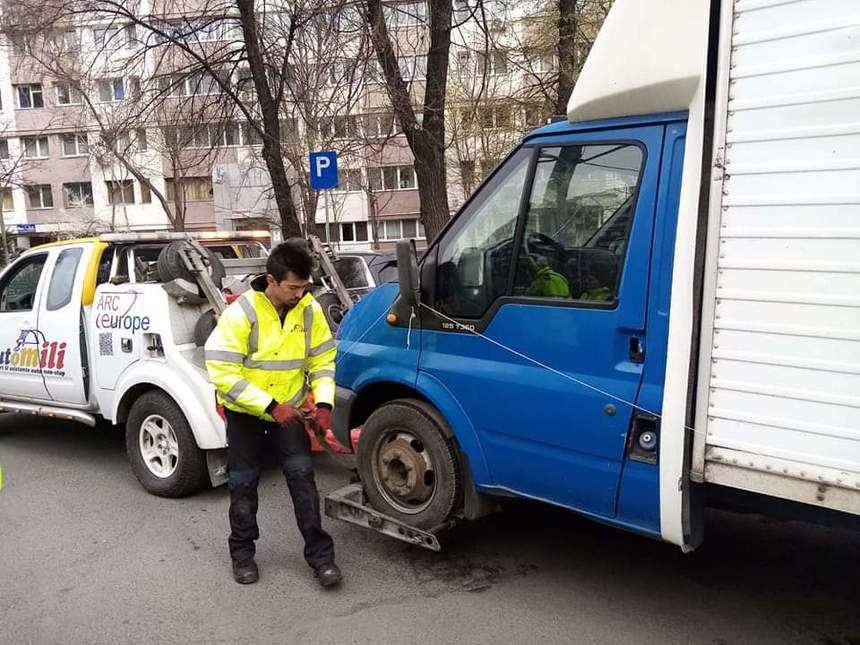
<point x="637" y="350"/>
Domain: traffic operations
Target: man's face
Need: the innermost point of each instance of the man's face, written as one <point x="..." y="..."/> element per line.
<point x="288" y="291"/>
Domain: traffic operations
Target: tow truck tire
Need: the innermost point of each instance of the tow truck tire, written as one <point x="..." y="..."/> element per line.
<point x="171" y="266"/>
<point x="332" y="309"/>
<point x="204" y="326"/>
<point x="161" y="447"/>
<point x="409" y="467"/>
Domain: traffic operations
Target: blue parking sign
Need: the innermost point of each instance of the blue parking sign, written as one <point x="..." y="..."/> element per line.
<point x="323" y="170"/>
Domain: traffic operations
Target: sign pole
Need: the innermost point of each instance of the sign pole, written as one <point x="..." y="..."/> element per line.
<point x="327" y="226"/>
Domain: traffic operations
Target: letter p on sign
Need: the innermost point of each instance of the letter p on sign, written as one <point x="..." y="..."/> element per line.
<point x="323" y="170"/>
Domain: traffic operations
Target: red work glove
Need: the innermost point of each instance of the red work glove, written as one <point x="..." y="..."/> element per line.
<point x="323" y="418"/>
<point x="285" y="415"/>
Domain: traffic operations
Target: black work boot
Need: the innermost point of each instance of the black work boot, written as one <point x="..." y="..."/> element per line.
<point x="245" y="572"/>
<point x="329" y="575"/>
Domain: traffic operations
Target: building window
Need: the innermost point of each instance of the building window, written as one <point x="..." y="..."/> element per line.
<point x="488" y="164"/>
<point x="534" y="116"/>
<point x="391" y="178"/>
<point x="347" y="232"/>
<point x="75" y="145"/>
<point x="250" y="135"/>
<point x="495" y="63"/>
<point x="346" y="127"/>
<point x="114" y="37"/>
<point x="464" y="61"/>
<point x="29" y="96"/>
<point x="111" y="90"/>
<point x="405" y="14"/>
<point x="6" y="201"/>
<point x="398" y="229"/>
<point x="68" y="94"/>
<point x="378" y="125"/>
<point x="195" y="189"/>
<point x="142" y="143"/>
<point x="498" y="117"/>
<point x="350" y="180"/>
<point x="4" y="148"/>
<point x="412" y="67"/>
<point x="40" y="196"/>
<point x="120" y="192"/>
<point x="145" y="194"/>
<point x="77" y="194"/>
<point x="35" y="147"/>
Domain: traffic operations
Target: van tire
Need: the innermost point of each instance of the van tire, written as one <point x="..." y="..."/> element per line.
<point x="398" y="441"/>
<point x="171" y="266"/>
<point x="155" y="424"/>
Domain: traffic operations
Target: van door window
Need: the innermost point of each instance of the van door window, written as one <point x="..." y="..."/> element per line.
<point x="474" y="263"/>
<point x="18" y="291"/>
<point x="578" y="222"/>
<point x="63" y="279"/>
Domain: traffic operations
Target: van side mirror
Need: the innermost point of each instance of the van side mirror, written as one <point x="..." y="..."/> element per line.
<point x="407" y="272"/>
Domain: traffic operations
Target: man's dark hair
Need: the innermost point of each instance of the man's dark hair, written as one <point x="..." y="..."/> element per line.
<point x="293" y="255"/>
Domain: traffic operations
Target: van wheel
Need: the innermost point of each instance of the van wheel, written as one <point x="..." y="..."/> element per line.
<point x="409" y="468"/>
<point x="161" y="448"/>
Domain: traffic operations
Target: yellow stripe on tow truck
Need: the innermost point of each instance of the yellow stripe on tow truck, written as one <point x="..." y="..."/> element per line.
<point x="89" y="292"/>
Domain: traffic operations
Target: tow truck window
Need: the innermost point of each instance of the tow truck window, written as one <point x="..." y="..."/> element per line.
<point x="63" y="279"/>
<point x="18" y="290"/>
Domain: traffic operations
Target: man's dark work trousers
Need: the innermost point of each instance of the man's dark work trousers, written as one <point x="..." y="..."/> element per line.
<point x="250" y="440"/>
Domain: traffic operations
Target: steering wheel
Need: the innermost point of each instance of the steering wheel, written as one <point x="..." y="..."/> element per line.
<point x="541" y="244"/>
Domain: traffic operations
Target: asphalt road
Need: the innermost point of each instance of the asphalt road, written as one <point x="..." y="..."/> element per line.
<point x="86" y="556"/>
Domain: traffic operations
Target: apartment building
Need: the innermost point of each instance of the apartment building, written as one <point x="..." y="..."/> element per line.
<point x="59" y="180"/>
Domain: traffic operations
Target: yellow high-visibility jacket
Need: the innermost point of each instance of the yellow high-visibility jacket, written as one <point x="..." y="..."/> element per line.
<point x="252" y="359"/>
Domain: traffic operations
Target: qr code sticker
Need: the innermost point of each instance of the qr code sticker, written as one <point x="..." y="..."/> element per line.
<point x="106" y="344"/>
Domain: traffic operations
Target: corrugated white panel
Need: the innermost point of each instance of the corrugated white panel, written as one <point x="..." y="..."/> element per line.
<point x="785" y="355"/>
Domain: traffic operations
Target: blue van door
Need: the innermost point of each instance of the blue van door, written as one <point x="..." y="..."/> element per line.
<point x="547" y="267"/>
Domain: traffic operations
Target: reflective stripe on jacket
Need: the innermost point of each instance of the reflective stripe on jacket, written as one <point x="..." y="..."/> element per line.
<point x="252" y="358"/>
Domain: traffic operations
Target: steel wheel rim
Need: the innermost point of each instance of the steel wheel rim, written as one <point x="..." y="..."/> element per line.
<point x="403" y="472"/>
<point x="158" y="446"/>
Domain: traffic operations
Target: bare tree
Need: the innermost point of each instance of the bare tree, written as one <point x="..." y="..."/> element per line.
<point x="252" y="38"/>
<point x="426" y="138"/>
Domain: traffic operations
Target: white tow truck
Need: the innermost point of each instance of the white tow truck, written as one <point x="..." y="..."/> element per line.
<point x="112" y="327"/>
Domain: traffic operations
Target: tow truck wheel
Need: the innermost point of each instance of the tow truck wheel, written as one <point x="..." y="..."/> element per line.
<point x="171" y="266"/>
<point x="161" y="448"/>
<point x="332" y="309"/>
<point x="409" y="468"/>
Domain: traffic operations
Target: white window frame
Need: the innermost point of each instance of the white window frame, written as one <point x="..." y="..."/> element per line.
<point x="405" y="14"/>
<point x="345" y="186"/>
<point x="72" y="92"/>
<point x="79" y="194"/>
<point x="41" y="188"/>
<point x="40" y="152"/>
<point x="419" y="229"/>
<point x="112" y="85"/>
<point x="123" y="186"/>
<point x="82" y="147"/>
<point x="31" y="89"/>
<point x="10" y="207"/>
<point x="355" y="227"/>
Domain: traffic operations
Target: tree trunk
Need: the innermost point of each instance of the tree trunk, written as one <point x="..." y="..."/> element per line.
<point x="271" y="127"/>
<point x="567" y="64"/>
<point x="427" y="139"/>
<point x="4" y="257"/>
